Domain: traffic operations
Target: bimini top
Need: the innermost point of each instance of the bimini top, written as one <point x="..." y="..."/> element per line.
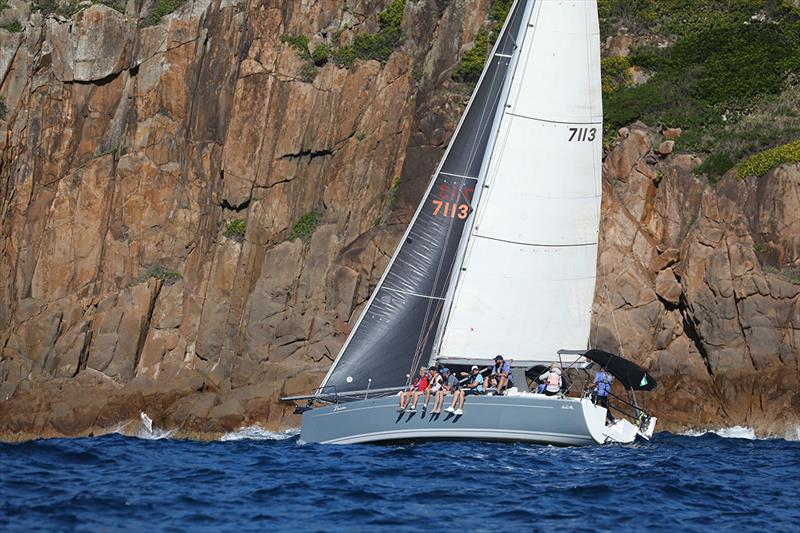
<point x="631" y="375"/>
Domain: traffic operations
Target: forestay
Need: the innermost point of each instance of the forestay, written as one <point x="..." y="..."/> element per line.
<point x="528" y="278"/>
<point x="396" y="330"/>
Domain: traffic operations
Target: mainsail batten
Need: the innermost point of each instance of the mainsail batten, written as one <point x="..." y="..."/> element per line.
<point x="528" y="277"/>
<point x="396" y="330"/>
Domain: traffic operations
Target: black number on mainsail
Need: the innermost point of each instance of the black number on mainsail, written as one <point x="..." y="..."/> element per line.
<point x="396" y="331"/>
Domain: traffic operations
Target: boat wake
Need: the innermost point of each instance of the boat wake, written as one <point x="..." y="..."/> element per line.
<point x="259" y="433"/>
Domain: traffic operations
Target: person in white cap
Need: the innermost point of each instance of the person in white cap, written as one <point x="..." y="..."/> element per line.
<point x="552" y="379"/>
<point x="474" y="385"/>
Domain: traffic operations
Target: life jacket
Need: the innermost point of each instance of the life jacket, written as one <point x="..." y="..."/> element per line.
<point x="553" y="380"/>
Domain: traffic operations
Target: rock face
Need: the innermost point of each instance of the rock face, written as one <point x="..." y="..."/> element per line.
<point x="702" y="287"/>
<point x="129" y="151"/>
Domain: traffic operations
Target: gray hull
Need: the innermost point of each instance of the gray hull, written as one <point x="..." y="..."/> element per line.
<point x="525" y="418"/>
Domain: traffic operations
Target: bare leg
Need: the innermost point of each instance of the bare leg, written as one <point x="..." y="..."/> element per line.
<point x="503" y="384"/>
<point x="417" y="394"/>
<point x="455" y="399"/>
<point x="427" y="398"/>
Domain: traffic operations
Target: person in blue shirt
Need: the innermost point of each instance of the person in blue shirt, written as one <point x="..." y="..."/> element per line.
<point x="501" y="375"/>
<point x="473" y="386"/>
<point x="602" y="388"/>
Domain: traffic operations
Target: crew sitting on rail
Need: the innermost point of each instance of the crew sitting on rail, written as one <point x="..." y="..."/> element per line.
<point x="418" y="386"/>
<point x="449" y="384"/>
<point x="434" y="385"/>
<point x="552" y="378"/>
<point x="501" y="375"/>
<point x="474" y="385"/>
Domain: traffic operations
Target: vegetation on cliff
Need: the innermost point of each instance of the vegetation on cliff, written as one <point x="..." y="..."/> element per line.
<point x="760" y="163"/>
<point x="470" y="67"/>
<point x="236" y="230"/>
<point x="378" y="46"/>
<point x="67" y="8"/>
<point x="304" y="228"/>
<point x="712" y="65"/>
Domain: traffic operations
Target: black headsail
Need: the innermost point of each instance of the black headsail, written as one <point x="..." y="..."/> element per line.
<point x="397" y="328"/>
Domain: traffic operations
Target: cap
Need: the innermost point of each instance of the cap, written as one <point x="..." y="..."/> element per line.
<point x="498" y="357"/>
<point x="474" y="367"/>
<point x="445" y="370"/>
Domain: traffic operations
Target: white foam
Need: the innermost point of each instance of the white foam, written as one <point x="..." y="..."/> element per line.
<point x="259" y="433"/>
<point x="735" y="432"/>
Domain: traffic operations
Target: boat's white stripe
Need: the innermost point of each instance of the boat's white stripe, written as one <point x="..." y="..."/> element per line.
<point x="565" y="438"/>
<point x="392" y="406"/>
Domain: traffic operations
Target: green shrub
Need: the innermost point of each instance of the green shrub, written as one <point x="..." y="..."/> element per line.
<point x="304" y="228"/>
<point x="4" y="5"/>
<point x="159" y="272"/>
<point x="726" y="80"/>
<point x="320" y="54"/>
<point x="343" y="56"/>
<point x="13" y="27"/>
<point x="498" y="12"/>
<point x="759" y="164"/>
<point x="471" y="65"/>
<point x="236" y="230"/>
<point x="715" y="165"/>
<point x="759" y="248"/>
<point x="162" y="9"/>
<point x="377" y="46"/>
<point x="381" y="45"/>
<point x="118" y="5"/>
<point x="299" y="43"/>
<point x="308" y="72"/>
<point x="3" y="109"/>
<point x="616" y="73"/>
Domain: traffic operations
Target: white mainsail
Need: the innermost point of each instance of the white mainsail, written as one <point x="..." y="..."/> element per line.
<point x="527" y="281"/>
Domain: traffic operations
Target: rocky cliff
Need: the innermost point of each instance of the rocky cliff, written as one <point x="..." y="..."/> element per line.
<point x="195" y="208"/>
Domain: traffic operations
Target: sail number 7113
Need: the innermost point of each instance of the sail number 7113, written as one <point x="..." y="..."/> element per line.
<point x="582" y="134"/>
<point x="446" y="209"/>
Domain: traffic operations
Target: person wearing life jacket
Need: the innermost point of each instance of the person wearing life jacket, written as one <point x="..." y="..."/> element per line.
<point x="602" y="388"/>
<point x="450" y="385"/>
<point x="419" y="385"/>
<point x="434" y="384"/>
<point x="552" y="380"/>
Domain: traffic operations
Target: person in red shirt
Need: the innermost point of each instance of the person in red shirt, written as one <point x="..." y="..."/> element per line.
<point x="415" y="390"/>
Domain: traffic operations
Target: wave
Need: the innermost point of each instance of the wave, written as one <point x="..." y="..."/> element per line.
<point x="142" y="429"/>
<point x="742" y="432"/>
<point x="259" y="433"/>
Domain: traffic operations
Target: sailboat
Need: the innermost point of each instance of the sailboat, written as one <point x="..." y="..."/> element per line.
<point x="499" y="258"/>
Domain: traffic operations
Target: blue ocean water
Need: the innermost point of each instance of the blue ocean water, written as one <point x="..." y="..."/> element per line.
<point x="118" y="483"/>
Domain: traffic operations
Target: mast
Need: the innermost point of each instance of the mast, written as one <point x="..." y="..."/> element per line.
<point x="396" y="329"/>
<point x="526" y="285"/>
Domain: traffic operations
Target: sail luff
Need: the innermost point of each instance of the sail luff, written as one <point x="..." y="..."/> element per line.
<point x="529" y="269"/>
<point x="402" y="313"/>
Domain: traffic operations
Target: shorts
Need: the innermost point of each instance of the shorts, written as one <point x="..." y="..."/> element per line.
<point x="472" y="392"/>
